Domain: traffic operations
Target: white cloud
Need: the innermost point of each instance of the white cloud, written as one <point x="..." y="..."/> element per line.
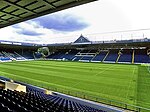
<point x="102" y="16"/>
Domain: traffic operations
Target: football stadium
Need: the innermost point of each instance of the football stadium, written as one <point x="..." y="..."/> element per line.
<point x="79" y="76"/>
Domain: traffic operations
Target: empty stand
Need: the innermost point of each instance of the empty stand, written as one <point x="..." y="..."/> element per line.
<point x="88" y="55"/>
<point x="126" y="55"/>
<point x="141" y="56"/>
<point x="112" y="56"/>
<point x="27" y="54"/>
<point x="100" y="56"/>
<point x="70" y="54"/>
<point x="63" y="54"/>
<point x="36" y="101"/>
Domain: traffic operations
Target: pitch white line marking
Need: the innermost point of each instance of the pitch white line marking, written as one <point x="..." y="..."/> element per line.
<point x="133" y="73"/>
<point x="104" y="70"/>
<point x="96" y="74"/>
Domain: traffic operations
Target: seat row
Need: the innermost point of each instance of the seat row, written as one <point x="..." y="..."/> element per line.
<point x="34" y="101"/>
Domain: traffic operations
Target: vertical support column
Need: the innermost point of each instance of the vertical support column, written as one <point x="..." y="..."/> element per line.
<point x="133" y="56"/>
<point x="118" y="58"/>
<point x="119" y="54"/>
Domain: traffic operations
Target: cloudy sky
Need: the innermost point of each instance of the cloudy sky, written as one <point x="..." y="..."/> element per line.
<point x="100" y="20"/>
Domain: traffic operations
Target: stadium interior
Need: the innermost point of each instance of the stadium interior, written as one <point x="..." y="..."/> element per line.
<point x="81" y="50"/>
<point x="128" y="52"/>
<point x="17" y="96"/>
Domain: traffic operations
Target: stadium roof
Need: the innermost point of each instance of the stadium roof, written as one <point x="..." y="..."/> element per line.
<point x="82" y="39"/>
<point x="16" y="11"/>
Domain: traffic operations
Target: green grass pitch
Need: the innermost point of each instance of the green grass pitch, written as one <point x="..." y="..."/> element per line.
<point x="120" y="82"/>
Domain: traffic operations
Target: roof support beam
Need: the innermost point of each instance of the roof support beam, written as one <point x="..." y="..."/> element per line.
<point x="16" y="5"/>
<point x="4" y="20"/>
<point x="48" y="3"/>
<point x="10" y="14"/>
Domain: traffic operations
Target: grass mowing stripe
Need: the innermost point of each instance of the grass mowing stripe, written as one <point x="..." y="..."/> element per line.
<point x="112" y="81"/>
<point x="56" y="72"/>
<point x="43" y="82"/>
<point x="94" y="65"/>
<point x="29" y="69"/>
<point x="76" y="80"/>
<point x="36" y="71"/>
<point x="29" y="79"/>
<point x="50" y="67"/>
<point x="59" y="67"/>
<point x="70" y="79"/>
<point x="40" y="75"/>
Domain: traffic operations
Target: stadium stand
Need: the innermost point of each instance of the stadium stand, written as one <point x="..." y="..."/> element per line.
<point x="3" y="57"/>
<point x="90" y="55"/>
<point x="12" y="55"/>
<point x="70" y="54"/>
<point x="82" y="49"/>
<point x="27" y="54"/>
<point x="35" y="100"/>
<point x="58" y="102"/>
<point x="77" y="58"/>
<point x="125" y="55"/>
<point x="100" y="56"/>
<point x="112" y="56"/>
<point x="57" y="55"/>
<point x="84" y="55"/>
<point x="19" y="57"/>
<point x="141" y="56"/>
